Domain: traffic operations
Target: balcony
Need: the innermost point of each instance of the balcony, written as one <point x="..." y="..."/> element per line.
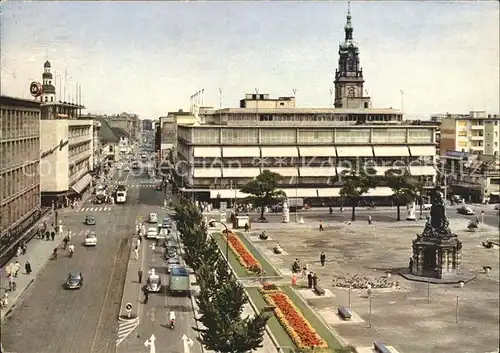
<point x="477" y="127"/>
<point x="477" y="137"/>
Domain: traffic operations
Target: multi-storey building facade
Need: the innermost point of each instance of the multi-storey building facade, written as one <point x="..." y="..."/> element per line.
<point x="67" y="151"/>
<point x="97" y="147"/>
<point x="476" y="132"/>
<point x="128" y="122"/>
<point x="19" y="166"/>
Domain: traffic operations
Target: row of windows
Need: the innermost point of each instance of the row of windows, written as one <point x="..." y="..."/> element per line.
<point x="19" y="123"/>
<point x="308" y="117"/>
<point x="19" y="207"/>
<point x="17" y="152"/>
<point x="77" y="149"/>
<point x="289" y="136"/>
<point x="78" y="131"/>
<point x="78" y="167"/>
<point x="17" y="180"/>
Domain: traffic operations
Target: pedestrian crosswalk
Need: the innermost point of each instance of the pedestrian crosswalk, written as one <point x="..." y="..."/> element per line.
<point x="142" y="186"/>
<point x="96" y="209"/>
<point x="125" y="328"/>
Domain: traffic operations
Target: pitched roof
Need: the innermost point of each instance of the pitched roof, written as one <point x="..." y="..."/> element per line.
<point x="119" y="132"/>
<point x="106" y="132"/>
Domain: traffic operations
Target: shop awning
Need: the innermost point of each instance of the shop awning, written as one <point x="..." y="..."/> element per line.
<point x="240" y="172"/>
<point x="391" y="151"/>
<point x="81" y="184"/>
<point x="329" y="192"/>
<point x="280" y="152"/>
<point x="354" y="151"/>
<point x="207" y="173"/>
<point x="241" y="151"/>
<point x="212" y="152"/>
<point x="317" y="171"/>
<point x="422" y="170"/>
<point x="285" y="171"/>
<point x="417" y="151"/>
<point x="326" y="151"/>
<point x="380" y="191"/>
<point x="227" y="194"/>
<point x="292" y="193"/>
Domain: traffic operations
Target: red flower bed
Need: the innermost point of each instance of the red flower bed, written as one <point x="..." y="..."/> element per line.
<point x="296" y="322"/>
<point x="249" y="261"/>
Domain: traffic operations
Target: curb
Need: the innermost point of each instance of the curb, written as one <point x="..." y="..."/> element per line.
<point x="6" y="313"/>
<point x="132" y="319"/>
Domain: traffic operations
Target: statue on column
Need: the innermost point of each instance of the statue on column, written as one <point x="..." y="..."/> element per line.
<point x="438" y="225"/>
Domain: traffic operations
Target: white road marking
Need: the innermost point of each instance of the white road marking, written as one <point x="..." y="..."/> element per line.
<point x="125" y="328"/>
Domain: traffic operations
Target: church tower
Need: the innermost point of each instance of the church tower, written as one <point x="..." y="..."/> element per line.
<point x="49" y="91"/>
<point x="349" y="75"/>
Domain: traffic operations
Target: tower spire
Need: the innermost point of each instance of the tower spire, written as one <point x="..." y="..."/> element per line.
<point x="348" y="26"/>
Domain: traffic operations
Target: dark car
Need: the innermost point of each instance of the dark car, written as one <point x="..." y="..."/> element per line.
<point x="74" y="280"/>
<point x="90" y="220"/>
<point x="170" y="253"/>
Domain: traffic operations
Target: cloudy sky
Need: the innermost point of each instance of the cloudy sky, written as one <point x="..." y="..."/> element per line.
<point x="149" y="58"/>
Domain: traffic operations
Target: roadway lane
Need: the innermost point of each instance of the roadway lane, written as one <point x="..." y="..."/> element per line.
<point x="155" y="314"/>
<point x="51" y="319"/>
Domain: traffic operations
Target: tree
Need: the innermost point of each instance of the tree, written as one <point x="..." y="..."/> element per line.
<point x="221" y="297"/>
<point x="405" y="188"/>
<point x="264" y="191"/>
<point x="356" y="182"/>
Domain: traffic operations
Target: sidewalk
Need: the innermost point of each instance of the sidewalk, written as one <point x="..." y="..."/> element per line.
<point x="39" y="252"/>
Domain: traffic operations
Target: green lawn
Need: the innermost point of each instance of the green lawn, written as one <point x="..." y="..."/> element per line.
<point x="274" y="325"/>
<point x="268" y="268"/>
<point x="239" y="270"/>
<point x="315" y="322"/>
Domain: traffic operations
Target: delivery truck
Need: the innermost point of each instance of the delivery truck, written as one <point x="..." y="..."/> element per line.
<point x="179" y="283"/>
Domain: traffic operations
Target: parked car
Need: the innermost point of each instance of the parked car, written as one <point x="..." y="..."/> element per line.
<point x="167" y="223"/>
<point x="152" y="233"/>
<point x="90" y="220"/>
<point x="170" y="253"/>
<point x="466" y="210"/>
<point x="153" y="218"/>
<point x="91" y="239"/>
<point x="173" y="262"/>
<point x="74" y="280"/>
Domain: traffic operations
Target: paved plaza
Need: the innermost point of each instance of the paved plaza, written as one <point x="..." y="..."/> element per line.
<point x="402" y="316"/>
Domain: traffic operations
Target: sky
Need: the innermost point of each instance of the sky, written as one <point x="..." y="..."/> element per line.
<point x="149" y="58"/>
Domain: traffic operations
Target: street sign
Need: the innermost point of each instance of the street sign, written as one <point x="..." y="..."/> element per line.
<point x="223" y="207"/>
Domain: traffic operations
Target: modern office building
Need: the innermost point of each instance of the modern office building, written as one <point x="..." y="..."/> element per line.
<point x="67" y="154"/>
<point x="308" y="147"/>
<point x="19" y="166"/>
<point x="476" y="132"/>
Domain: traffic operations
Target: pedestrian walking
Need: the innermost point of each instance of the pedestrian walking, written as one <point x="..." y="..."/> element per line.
<point x="322" y="258"/>
<point x="53" y="235"/>
<point x="139" y="274"/>
<point x="314" y="280"/>
<point x="18" y="251"/>
<point x="16" y="268"/>
<point x="138" y="243"/>
<point x="369" y="219"/>
<point x="309" y="280"/>
<point x="24" y="248"/>
<point x="136" y="253"/>
<point x="321" y="226"/>
<point x="146" y="295"/>
<point x="27" y="267"/>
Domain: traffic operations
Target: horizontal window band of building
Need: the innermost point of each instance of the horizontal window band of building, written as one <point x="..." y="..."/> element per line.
<point x="80" y="142"/>
<point x="87" y="155"/>
<point x="10" y="198"/>
<point x="24" y="164"/>
<point x="20" y="138"/>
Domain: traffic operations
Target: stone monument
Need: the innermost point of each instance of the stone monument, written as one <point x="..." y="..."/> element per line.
<point x="437" y="252"/>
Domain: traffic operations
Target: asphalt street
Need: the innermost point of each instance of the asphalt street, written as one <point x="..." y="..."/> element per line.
<point x="154" y="316"/>
<point x="52" y="319"/>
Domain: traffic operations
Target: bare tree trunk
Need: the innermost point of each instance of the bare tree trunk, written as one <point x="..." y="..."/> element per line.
<point x="353" y="217"/>
<point x="262" y="212"/>
<point x="399" y="212"/>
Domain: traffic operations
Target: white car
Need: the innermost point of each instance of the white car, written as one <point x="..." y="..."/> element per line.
<point x="152" y="233"/>
<point x="91" y="240"/>
<point x="153" y="218"/>
<point x="427" y="206"/>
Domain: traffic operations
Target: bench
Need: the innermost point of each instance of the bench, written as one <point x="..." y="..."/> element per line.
<point x="380" y="347"/>
<point x="344" y="313"/>
<point x="318" y="290"/>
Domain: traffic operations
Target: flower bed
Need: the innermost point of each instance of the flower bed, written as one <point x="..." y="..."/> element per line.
<point x="292" y="320"/>
<point x="241" y="252"/>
